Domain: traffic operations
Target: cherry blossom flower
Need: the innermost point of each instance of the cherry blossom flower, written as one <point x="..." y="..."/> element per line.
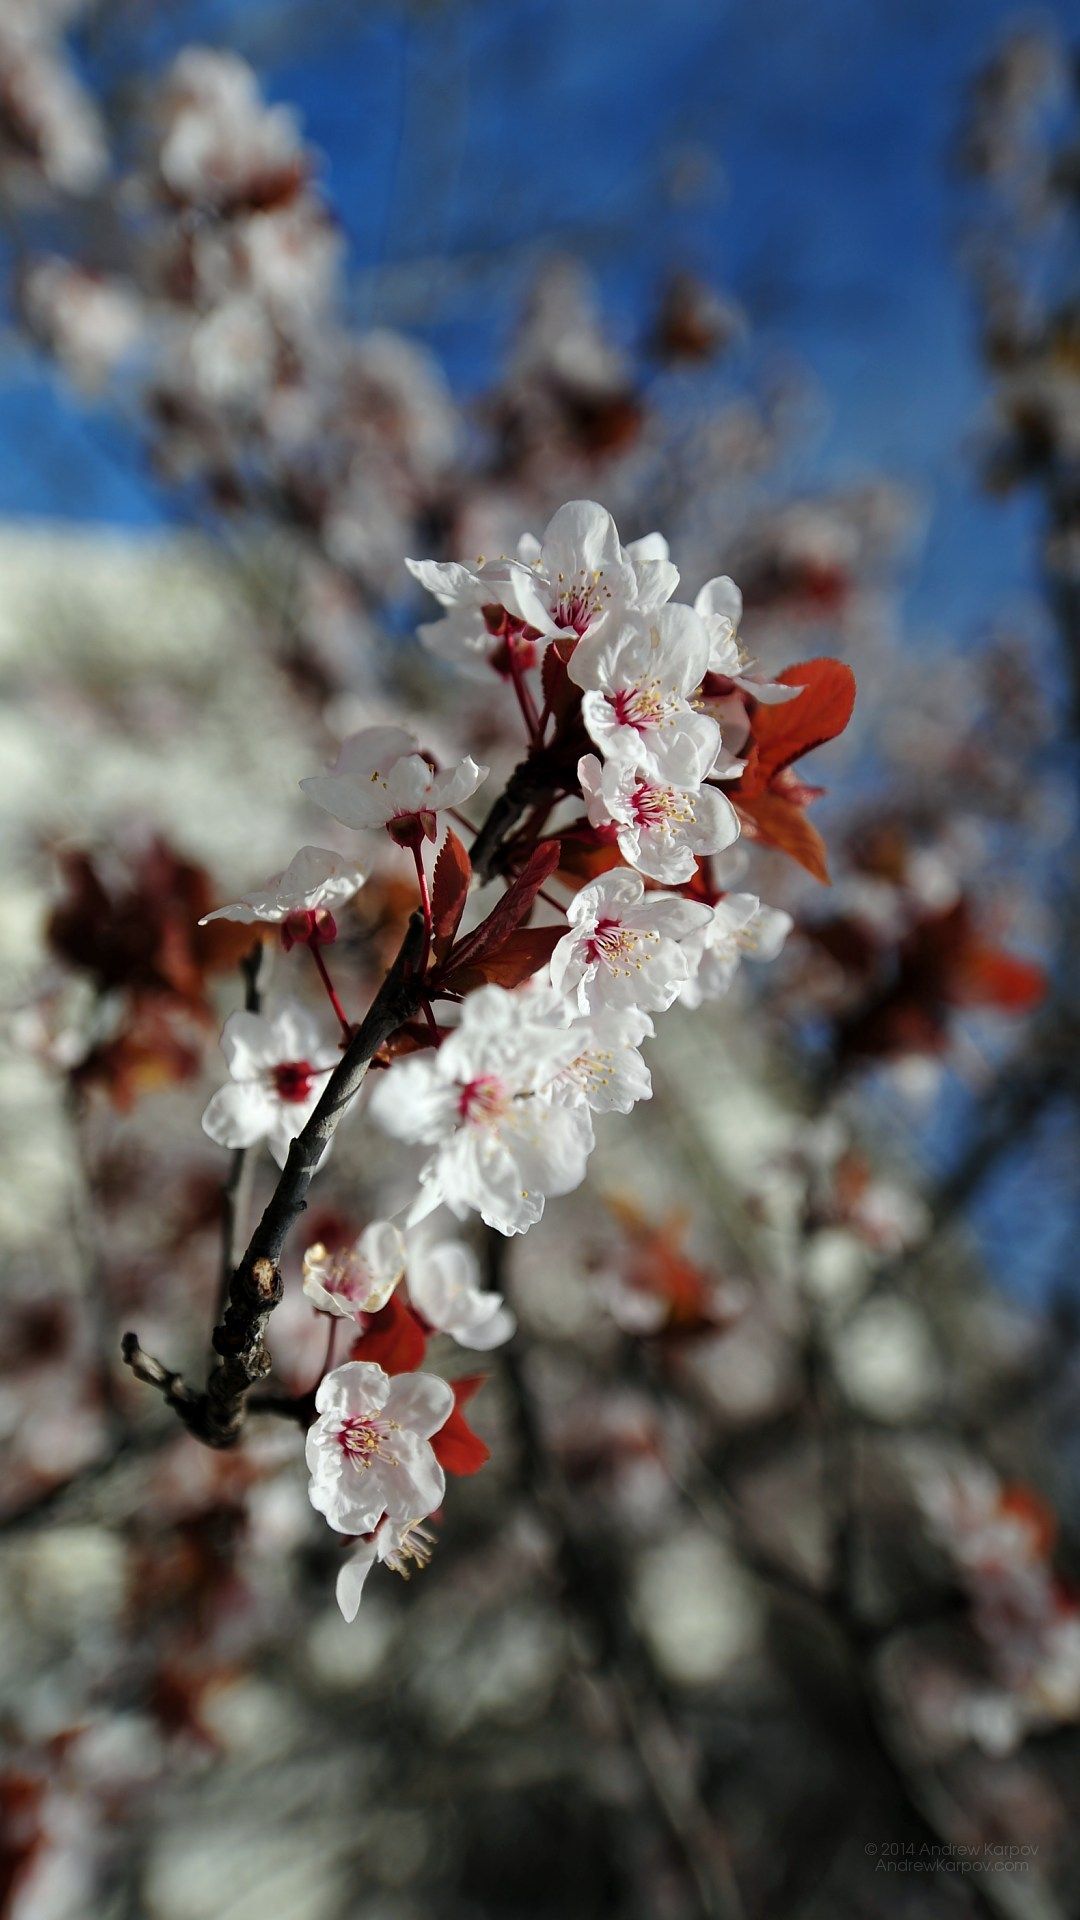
<point x="399" y="1547"/>
<point x="732" y="675"/>
<point x="500" y="1148"/>
<point x="91" y="322"/>
<point x="380" y="779"/>
<point x="368" y="1453"/>
<point x="719" y="606"/>
<point x="311" y="886"/>
<point x="660" y="828"/>
<point x="221" y="146"/>
<point x="638" y="676"/>
<point x="358" y="1278"/>
<point x="444" y="1287"/>
<point x="608" y="1074"/>
<point x="560" y="586"/>
<point x="741" y="928"/>
<point x="623" y="947"/>
<point x="278" y="1064"/>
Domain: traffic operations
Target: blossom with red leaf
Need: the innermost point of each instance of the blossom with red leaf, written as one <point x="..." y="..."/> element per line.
<point x="768" y="796"/>
<point x="456" y="1447"/>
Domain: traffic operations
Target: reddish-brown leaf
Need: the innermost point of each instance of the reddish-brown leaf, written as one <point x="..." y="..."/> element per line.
<point x="556" y="685"/>
<point x="509" y="912"/>
<point x="786" y="732"/>
<point x="392" y="1338"/>
<point x="775" y="820"/>
<point x="449" y="891"/>
<point x="990" y="977"/>
<point x="519" y="957"/>
<point x="456" y="1447"/>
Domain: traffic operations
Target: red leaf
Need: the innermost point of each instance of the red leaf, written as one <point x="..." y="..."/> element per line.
<point x="992" y="978"/>
<point x="520" y="956"/>
<point x="449" y="890"/>
<point x="456" y="1447"/>
<point x="392" y="1338"/>
<point x="587" y="851"/>
<point x="514" y="907"/>
<point x="773" y="818"/>
<point x="557" y="688"/>
<point x="785" y="733"/>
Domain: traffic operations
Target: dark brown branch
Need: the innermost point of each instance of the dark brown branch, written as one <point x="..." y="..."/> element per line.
<point x="236" y="1193"/>
<point x="529" y="782"/>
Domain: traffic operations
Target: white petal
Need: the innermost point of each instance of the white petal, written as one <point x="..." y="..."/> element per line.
<point x="351" y="1577"/>
<point x="357" y="1387"/>
<point x="239" y="1114"/>
<point x="420" y="1401"/>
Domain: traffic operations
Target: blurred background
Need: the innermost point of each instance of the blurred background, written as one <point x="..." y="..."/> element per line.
<point x="770" y="1579"/>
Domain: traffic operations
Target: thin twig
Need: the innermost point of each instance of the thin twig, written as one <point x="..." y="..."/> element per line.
<point x="216" y="1414"/>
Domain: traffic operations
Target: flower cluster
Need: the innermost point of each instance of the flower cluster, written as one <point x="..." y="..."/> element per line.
<point x="1000" y="1538"/>
<point x="651" y="741"/>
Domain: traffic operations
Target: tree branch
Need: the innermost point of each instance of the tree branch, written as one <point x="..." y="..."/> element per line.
<point x="216" y="1414"/>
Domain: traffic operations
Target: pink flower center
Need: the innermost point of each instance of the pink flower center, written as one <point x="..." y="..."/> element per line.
<point x="292" y="1079"/>
<point x="580" y="600"/>
<point x="660" y="809"/>
<point x="574" y="612"/>
<point x="362" y="1439"/>
<point x="609" y="943"/>
<point x="350" y="1279"/>
<point x="482" y="1100"/>
<point x="637" y="707"/>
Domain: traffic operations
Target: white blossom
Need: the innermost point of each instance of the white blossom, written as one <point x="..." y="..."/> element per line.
<point x="623" y="948"/>
<point x="278" y="1064"/>
<point x="444" y="1287"/>
<point x="660" y="828"/>
<point x="358" y="1278"/>
<point x="91" y="322"/>
<point x="638" y="675"/>
<point x="560" y="586"/>
<point x="607" y="1073"/>
<point x="380" y="779"/>
<point x="315" y="880"/>
<point x="369" y="1452"/>
<point x="719" y="605"/>
<point x="499" y="1147"/>
<point x="219" y="141"/>
<point x="398" y="1546"/>
<point x="741" y="928"/>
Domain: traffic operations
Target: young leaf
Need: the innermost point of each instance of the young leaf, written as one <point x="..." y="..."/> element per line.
<point x="522" y="953"/>
<point x="786" y="732"/>
<point x="449" y="891"/>
<point x="392" y="1338"/>
<point x="456" y="1447"/>
<point x="776" y="820"/>
<point x="509" y="912"/>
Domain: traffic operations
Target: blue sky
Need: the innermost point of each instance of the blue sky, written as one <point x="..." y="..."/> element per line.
<point x="796" y="155"/>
